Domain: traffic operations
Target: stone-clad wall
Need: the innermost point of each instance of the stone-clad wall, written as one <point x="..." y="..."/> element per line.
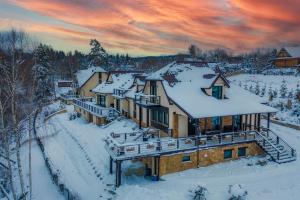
<point x="173" y="163"/>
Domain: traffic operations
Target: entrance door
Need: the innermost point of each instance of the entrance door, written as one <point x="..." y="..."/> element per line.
<point x="118" y="105"/>
<point x="191" y="127"/>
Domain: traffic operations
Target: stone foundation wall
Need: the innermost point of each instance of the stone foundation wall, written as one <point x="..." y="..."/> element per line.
<point x="173" y="163"/>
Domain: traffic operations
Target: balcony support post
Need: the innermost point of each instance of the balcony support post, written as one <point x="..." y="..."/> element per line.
<point x="140" y="117"/>
<point x="110" y="165"/>
<point x="268" y="123"/>
<point x="118" y="173"/>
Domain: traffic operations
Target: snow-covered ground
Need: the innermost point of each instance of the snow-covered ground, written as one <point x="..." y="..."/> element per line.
<point x="264" y="85"/>
<point x="77" y="151"/>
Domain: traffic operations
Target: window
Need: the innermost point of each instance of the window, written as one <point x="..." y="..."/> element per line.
<point x="186" y="158"/>
<point x="216" y="123"/>
<point x="242" y="151"/>
<point x="160" y="116"/>
<point x="227" y="153"/>
<point x="100" y="77"/>
<point x="153" y="89"/>
<point x="217" y="92"/>
<point x="134" y="110"/>
<point x="102" y="100"/>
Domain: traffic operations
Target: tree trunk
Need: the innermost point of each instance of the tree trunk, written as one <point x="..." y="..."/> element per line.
<point x="18" y="142"/>
<point x="7" y="152"/>
<point x="29" y="157"/>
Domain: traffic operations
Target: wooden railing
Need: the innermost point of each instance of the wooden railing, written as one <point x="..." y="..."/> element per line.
<point x="158" y="145"/>
<point x="99" y="111"/>
<point x="147" y="100"/>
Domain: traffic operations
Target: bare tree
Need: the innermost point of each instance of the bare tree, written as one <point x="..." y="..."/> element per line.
<point x="16" y="44"/>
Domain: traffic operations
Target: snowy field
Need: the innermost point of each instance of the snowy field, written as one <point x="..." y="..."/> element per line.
<point x="275" y="86"/>
<point x="76" y="149"/>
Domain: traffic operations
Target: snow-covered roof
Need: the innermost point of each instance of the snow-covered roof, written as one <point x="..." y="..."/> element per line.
<point x="293" y="51"/>
<point x="184" y="85"/>
<point x="83" y="75"/>
<point x="119" y="81"/>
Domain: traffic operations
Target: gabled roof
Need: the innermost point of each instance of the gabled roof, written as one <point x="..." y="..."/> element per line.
<point x="185" y="83"/>
<point x="293" y="51"/>
<point x="119" y="81"/>
<point x="84" y="75"/>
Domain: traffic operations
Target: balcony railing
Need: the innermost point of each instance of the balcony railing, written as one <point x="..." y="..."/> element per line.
<point x="147" y="100"/>
<point x="69" y="96"/>
<point x="96" y="110"/>
<point x="122" y="146"/>
<point x="120" y="93"/>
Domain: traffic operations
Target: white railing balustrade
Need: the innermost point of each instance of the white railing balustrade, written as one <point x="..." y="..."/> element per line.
<point x="124" y="145"/>
<point x="88" y="105"/>
<point x="147" y="100"/>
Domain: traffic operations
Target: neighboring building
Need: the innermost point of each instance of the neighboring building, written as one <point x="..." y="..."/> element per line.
<point x="189" y="116"/>
<point x="88" y="79"/>
<point x="288" y="57"/>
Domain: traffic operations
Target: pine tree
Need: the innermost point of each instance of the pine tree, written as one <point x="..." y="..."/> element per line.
<point x="263" y="90"/>
<point x="270" y="93"/>
<point x="283" y="89"/>
<point x="97" y="56"/>
<point x="275" y="93"/>
<point x="251" y="88"/>
<point x="42" y="84"/>
<point x="257" y="89"/>
<point x="291" y="94"/>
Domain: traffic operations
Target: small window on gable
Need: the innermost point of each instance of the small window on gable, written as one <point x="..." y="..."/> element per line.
<point x="217" y="92"/>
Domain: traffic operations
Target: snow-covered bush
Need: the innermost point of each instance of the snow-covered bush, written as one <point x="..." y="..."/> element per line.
<point x="199" y="193"/>
<point x="72" y="115"/>
<point x="237" y="192"/>
<point x="283" y="89"/>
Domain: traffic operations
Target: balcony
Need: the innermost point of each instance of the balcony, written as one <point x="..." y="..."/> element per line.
<point x="119" y="93"/>
<point x="99" y="111"/>
<point x="147" y="100"/>
<point x="123" y="146"/>
<point x="69" y="96"/>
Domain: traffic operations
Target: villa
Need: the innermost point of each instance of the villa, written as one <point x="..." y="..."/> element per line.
<point x="189" y="116"/>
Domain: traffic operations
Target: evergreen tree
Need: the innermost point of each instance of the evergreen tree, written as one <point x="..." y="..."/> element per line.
<point x="257" y="89"/>
<point x="270" y="93"/>
<point x="42" y="84"/>
<point x="283" y="89"/>
<point x="263" y="90"/>
<point x="275" y="93"/>
<point x="97" y="55"/>
<point x="291" y="94"/>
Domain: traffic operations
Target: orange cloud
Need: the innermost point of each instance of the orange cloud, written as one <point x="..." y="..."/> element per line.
<point x="169" y="26"/>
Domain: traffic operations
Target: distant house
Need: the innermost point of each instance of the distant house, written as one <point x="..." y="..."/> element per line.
<point x="288" y="57"/>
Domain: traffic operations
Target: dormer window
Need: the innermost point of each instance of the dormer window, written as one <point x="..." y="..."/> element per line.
<point x="217" y="92"/>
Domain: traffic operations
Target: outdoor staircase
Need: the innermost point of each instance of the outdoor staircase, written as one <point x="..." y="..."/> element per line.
<point x="279" y="150"/>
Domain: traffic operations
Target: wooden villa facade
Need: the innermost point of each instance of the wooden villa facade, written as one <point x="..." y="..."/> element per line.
<point x="188" y="115"/>
<point x="288" y="57"/>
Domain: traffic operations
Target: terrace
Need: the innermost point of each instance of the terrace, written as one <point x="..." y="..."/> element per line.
<point x="89" y="105"/>
<point x="125" y="146"/>
<point x="147" y="100"/>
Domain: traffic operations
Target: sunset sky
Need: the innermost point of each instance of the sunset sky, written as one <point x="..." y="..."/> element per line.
<point x="155" y="27"/>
